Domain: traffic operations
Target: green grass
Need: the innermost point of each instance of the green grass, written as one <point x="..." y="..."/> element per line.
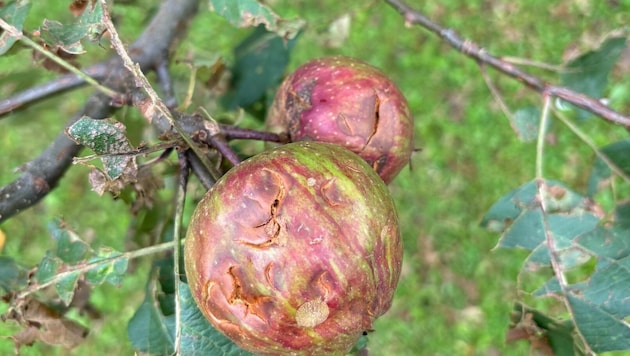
<point x="456" y="292"/>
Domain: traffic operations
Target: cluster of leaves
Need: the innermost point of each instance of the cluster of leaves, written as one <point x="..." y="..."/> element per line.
<point x="582" y="251"/>
<point x="69" y="269"/>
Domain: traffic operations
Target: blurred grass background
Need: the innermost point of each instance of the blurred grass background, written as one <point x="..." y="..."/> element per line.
<point x="456" y="293"/>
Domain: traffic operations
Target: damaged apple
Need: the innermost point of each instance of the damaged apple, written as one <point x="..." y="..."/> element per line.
<point x="345" y="101"/>
<point x="295" y="251"/>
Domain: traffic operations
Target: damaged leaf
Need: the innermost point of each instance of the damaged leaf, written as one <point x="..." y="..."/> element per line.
<point x="107" y="139"/>
<point x="68" y="37"/>
<point x="565" y="234"/>
<point x="251" y="13"/>
<point x="74" y="261"/>
<point x="42" y="323"/>
<point x="14" y="13"/>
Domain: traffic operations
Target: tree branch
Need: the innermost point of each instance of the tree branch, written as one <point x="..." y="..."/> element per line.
<point x="43" y="173"/>
<point x="472" y="50"/>
<point x="55" y="86"/>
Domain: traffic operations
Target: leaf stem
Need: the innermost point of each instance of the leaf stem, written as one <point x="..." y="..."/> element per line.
<point x="584" y="137"/>
<point x="13" y="31"/>
<point x="540" y="144"/>
<point x="71" y="270"/>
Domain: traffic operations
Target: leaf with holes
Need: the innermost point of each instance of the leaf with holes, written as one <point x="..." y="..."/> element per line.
<point x="249" y="13"/>
<point x="110" y="267"/>
<point x="566" y="235"/>
<point x="73" y="258"/>
<point x="68" y="36"/>
<point x="70" y="248"/>
<point x="106" y="138"/>
<point x="14" y="13"/>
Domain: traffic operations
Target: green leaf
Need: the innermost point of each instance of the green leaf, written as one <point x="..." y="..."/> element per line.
<point x="260" y="62"/>
<point x="14" y="13"/>
<point x="198" y="336"/>
<point x="588" y="73"/>
<point x="622" y="215"/>
<point x="602" y="331"/>
<point x="360" y="347"/>
<point x="66" y="286"/>
<point x="600" y="305"/>
<point x="249" y="13"/>
<point x="527" y="123"/>
<point x="519" y="217"/>
<point x="149" y="330"/>
<point x="110" y="269"/>
<point x="12" y="275"/>
<point x="152" y="327"/>
<point x="619" y="154"/>
<point x="68" y="37"/>
<point x="47" y="268"/>
<point x="563" y="229"/>
<point x="107" y="138"/>
<point x="70" y="248"/>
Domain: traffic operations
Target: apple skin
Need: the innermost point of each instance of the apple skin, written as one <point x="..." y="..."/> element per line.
<point x="295" y="251"/>
<point x="348" y="102"/>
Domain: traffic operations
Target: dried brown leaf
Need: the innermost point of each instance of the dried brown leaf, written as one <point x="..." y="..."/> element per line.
<point x="42" y="323"/>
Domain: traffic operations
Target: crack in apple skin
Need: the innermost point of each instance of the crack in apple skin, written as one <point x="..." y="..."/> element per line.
<point x="296" y="251"/>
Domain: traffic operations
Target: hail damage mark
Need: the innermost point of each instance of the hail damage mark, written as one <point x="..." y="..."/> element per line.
<point x="344" y="124"/>
<point x="271" y="226"/>
<point x="377" y="118"/>
<point x="254" y="305"/>
<point x="269" y="276"/>
<point x="323" y="282"/>
<point x="331" y="194"/>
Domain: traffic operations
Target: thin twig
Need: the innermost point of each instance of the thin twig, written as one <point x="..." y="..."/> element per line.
<point x="206" y="179"/>
<point x="231" y="132"/>
<point x="540" y="144"/>
<point x="532" y="63"/>
<point x="584" y="137"/>
<point x="221" y="145"/>
<point x="177" y="228"/>
<point x="474" y="51"/>
<point x="497" y="97"/>
<point x="217" y="140"/>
